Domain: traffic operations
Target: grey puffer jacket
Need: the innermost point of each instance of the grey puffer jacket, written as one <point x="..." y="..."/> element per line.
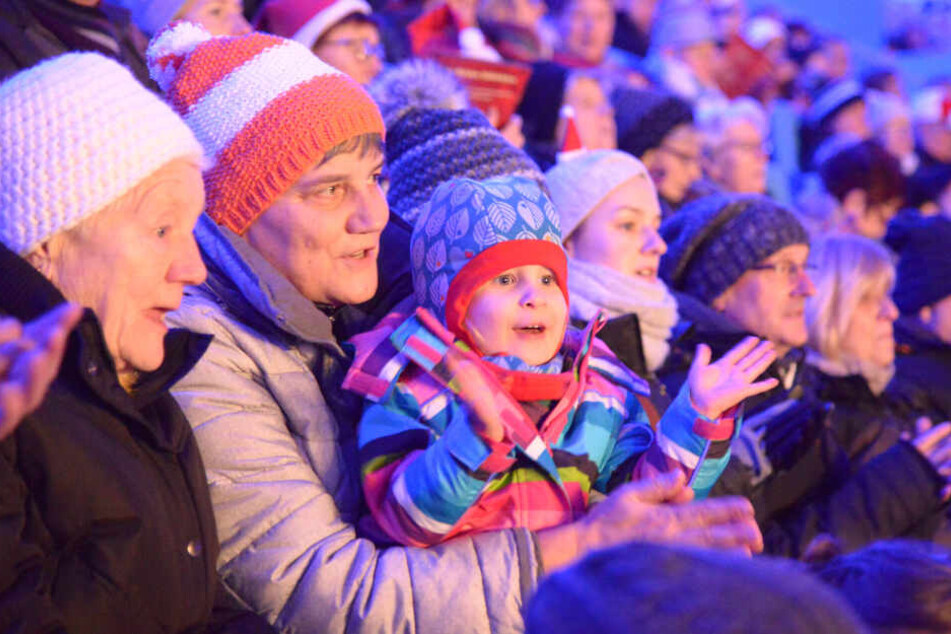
<point x="284" y="478"/>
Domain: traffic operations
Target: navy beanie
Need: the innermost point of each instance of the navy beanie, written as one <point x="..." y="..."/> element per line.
<point x="540" y="107"/>
<point x="645" y="117"/>
<point x="927" y="184"/>
<point x="426" y="147"/>
<point x="713" y="241"/>
<point x="651" y="589"/>
<point x="923" y="275"/>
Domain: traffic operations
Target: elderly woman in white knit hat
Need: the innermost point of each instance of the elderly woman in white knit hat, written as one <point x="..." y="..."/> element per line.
<point x="609" y="215"/>
<point x="107" y="524"/>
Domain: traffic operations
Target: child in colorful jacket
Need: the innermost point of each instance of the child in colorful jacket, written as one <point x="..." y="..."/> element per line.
<point x="485" y="411"/>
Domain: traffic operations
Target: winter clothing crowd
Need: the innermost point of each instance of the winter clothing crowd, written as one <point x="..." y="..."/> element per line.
<point x="294" y="338"/>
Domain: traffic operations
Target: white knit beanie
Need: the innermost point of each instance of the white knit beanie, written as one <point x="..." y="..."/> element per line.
<point x="882" y="107"/>
<point x="579" y="184"/>
<point x="76" y="133"/>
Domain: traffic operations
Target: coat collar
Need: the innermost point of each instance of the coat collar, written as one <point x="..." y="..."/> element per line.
<point x="254" y="291"/>
<point x="912" y="336"/>
<point x="26" y="294"/>
<point x="702" y="324"/>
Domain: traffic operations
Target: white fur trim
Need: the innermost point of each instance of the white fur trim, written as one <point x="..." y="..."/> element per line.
<point x="321" y="22"/>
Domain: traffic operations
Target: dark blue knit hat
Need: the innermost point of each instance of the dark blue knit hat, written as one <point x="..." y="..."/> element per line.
<point x="923" y="275"/>
<point x="651" y="589"/>
<point x="714" y="240"/>
<point x="426" y="147"/>
<point x="645" y="117"/>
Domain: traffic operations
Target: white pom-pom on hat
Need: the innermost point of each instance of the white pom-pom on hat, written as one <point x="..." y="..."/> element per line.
<point x="417" y="84"/>
<point x="170" y="46"/>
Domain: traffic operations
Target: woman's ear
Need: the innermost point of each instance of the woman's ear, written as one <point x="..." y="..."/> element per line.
<point x="925" y="315"/>
<point x="41" y="260"/>
<point x="854" y="205"/>
<point x="719" y="304"/>
<point x="648" y="158"/>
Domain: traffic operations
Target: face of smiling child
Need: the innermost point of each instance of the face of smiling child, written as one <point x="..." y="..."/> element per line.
<point x="521" y="312"/>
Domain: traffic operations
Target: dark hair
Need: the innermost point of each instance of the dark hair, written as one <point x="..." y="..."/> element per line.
<point x="896" y="584"/>
<point x="878" y="78"/>
<point x="361" y="144"/>
<point x="866" y="166"/>
<point x="652" y="589"/>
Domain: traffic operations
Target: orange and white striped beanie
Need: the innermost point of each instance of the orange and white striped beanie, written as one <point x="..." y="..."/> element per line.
<point x="265" y="109"/>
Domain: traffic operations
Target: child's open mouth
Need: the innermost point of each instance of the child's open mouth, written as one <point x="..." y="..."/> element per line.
<point x="534" y="329"/>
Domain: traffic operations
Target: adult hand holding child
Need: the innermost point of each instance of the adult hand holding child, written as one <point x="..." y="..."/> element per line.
<point x="659" y="510"/>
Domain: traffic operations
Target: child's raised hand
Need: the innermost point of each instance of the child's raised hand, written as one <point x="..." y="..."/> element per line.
<point x="716" y="387"/>
<point x="479" y="395"/>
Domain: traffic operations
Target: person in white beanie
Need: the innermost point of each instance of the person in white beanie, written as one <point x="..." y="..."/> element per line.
<point x="931" y="112"/>
<point x="340" y="32"/>
<point x="108" y="525"/>
<point x="219" y="17"/>
<point x="609" y="215"/>
<point x="889" y="118"/>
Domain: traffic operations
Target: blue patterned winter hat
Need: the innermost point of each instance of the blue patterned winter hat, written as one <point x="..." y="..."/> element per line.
<point x="471" y="231"/>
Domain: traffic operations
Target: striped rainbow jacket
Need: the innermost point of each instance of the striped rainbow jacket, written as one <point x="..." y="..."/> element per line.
<point x="427" y="476"/>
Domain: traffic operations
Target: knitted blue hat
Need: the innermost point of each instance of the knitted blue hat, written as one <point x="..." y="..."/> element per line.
<point x="426" y="147"/>
<point x="923" y="275"/>
<point x="645" y="117"/>
<point x="472" y="231"/>
<point x="714" y="240"/>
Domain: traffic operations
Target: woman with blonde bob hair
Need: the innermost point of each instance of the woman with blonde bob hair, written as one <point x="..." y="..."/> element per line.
<point x="851" y="339"/>
<point x="851" y="315"/>
<point x="851" y="358"/>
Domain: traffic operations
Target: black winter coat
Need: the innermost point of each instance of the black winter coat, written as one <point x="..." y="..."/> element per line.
<point x="623" y="336"/>
<point x="922" y="371"/>
<point x="106" y="524"/>
<point x="24" y="41"/>
<point x="838" y="473"/>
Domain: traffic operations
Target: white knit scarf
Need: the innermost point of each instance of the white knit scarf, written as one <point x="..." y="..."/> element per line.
<point x="593" y="287"/>
<point x="876" y="376"/>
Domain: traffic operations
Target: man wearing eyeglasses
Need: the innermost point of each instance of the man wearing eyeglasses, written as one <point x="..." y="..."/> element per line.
<point x="740" y="262"/>
<point x="739" y="265"/>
